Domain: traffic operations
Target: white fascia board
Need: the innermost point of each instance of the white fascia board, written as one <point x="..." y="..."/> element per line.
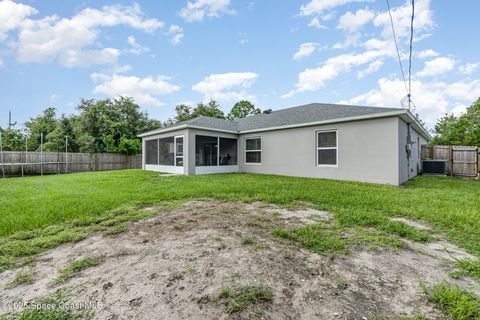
<point x="183" y="126"/>
<point x="161" y="130"/>
<point x="212" y="129"/>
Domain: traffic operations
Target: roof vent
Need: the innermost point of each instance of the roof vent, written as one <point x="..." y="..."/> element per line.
<point x="268" y="111"/>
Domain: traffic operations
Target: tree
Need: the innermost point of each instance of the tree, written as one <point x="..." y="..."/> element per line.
<point x="12" y="140"/>
<point x="65" y="127"/>
<point x="461" y="130"/>
<point x="185" y="112"/>
<point x="102" y="124"/>
<point x="130" y="146"/>
<point x="44" y="123"/>
<point x="242" y="109"/>
<point x="211" y="109"/>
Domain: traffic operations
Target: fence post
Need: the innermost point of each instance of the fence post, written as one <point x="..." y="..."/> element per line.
<point x="1" y="156"/>
<point x="26" y="154"/>
<point x="41" y="153"/>
<point x="66" y="154"/>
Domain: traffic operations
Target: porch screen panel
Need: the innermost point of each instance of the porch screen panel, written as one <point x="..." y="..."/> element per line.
<point x="166" y="151"/>
<point x="228" y="152"/>
<point x="151" y="150"/>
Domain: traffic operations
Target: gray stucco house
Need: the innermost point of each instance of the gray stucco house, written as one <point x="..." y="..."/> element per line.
<point x="368" y="144"/>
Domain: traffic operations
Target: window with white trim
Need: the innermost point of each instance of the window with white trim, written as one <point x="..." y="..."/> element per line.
<point x="253" y="150"/>
<point x="327" y="148"/>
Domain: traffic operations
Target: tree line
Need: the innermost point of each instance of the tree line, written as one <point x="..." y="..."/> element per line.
<point x="105" y="126"/>
<point x="461" y="130"/>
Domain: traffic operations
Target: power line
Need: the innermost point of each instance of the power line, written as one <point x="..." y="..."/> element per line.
<point x="396" y="47"/>
<point x="410" y="57"/>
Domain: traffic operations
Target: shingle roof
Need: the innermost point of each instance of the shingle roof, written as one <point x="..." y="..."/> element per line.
<point x="303" y="114"/>
<point x="212" y="123"/>
<point x="313" y="112"/>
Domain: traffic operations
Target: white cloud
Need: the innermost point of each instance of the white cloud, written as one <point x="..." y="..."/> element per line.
<point x="318" y="6"/>
<point x="70" y="41"/>
<point x="1" y="64"/>
<point x="137" y="48"/>
<point x="315" y="23"/>
<point x="432" y="99"/>
<point x="84" y="58"/>
<point x="145" y="91"/>
<point x="376" y="49"/>
<point x="352" y="22"/>
<point x="225" y="86"/>
<point x="328" y="16"/>
<point x="468" y="68"/>
<point x="176" y="33"/>
<point x="401" y="18"/>
<point x="197" y="10"/>
<point x="372" y="68"/>
<point x="427" y="54"/>
<point x="437" y="66"/>
<point x="459" y="110"/>
<point x="313" y="79"/>
<point x="12" y="16"/>
<point x="305" y="50"/>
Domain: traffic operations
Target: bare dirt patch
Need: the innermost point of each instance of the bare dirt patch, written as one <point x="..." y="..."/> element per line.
<point x="175" y="266"/>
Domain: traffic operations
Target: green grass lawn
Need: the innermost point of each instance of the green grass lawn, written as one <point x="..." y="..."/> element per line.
<point x="451" y="206"/>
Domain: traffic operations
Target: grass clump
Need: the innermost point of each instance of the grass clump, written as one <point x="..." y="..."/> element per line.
<point x="240" y="298"/>
<point x="377" y="238"/>
<point x="315" y="238"/>
<point x="454" y="301"/>
<point x="119" y="228"/>
<point x="468" y="268"/>
<point x="22" y="277"/>
<point x="75" y="267"/>
<point x="405" y="231"/>
<point x="247" y="241"/>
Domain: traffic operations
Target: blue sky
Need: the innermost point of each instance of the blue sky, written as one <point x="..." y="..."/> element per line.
<point x="275" y="53"/>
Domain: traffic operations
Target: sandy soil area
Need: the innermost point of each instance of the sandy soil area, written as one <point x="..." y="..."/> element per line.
<point x="174" y="266"/>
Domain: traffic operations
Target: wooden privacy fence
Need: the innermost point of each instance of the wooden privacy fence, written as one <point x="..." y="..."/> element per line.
<point x="16" y="163"/>
<point x="461" y="161"/>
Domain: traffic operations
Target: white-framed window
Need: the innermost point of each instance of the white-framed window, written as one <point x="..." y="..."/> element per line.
<point x="253" y="150"/>
<point x="327" y="148"/>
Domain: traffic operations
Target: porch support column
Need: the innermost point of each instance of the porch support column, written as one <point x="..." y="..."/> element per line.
<point x="189" y="152"/>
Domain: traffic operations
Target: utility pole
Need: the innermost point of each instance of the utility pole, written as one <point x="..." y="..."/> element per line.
<point x="10" y="123"/>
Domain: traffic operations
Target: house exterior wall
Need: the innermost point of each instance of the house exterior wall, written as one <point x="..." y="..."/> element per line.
<point x="408" y="168"/>
<point x="371" y="151"/>
<point x="367" y="152"/>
